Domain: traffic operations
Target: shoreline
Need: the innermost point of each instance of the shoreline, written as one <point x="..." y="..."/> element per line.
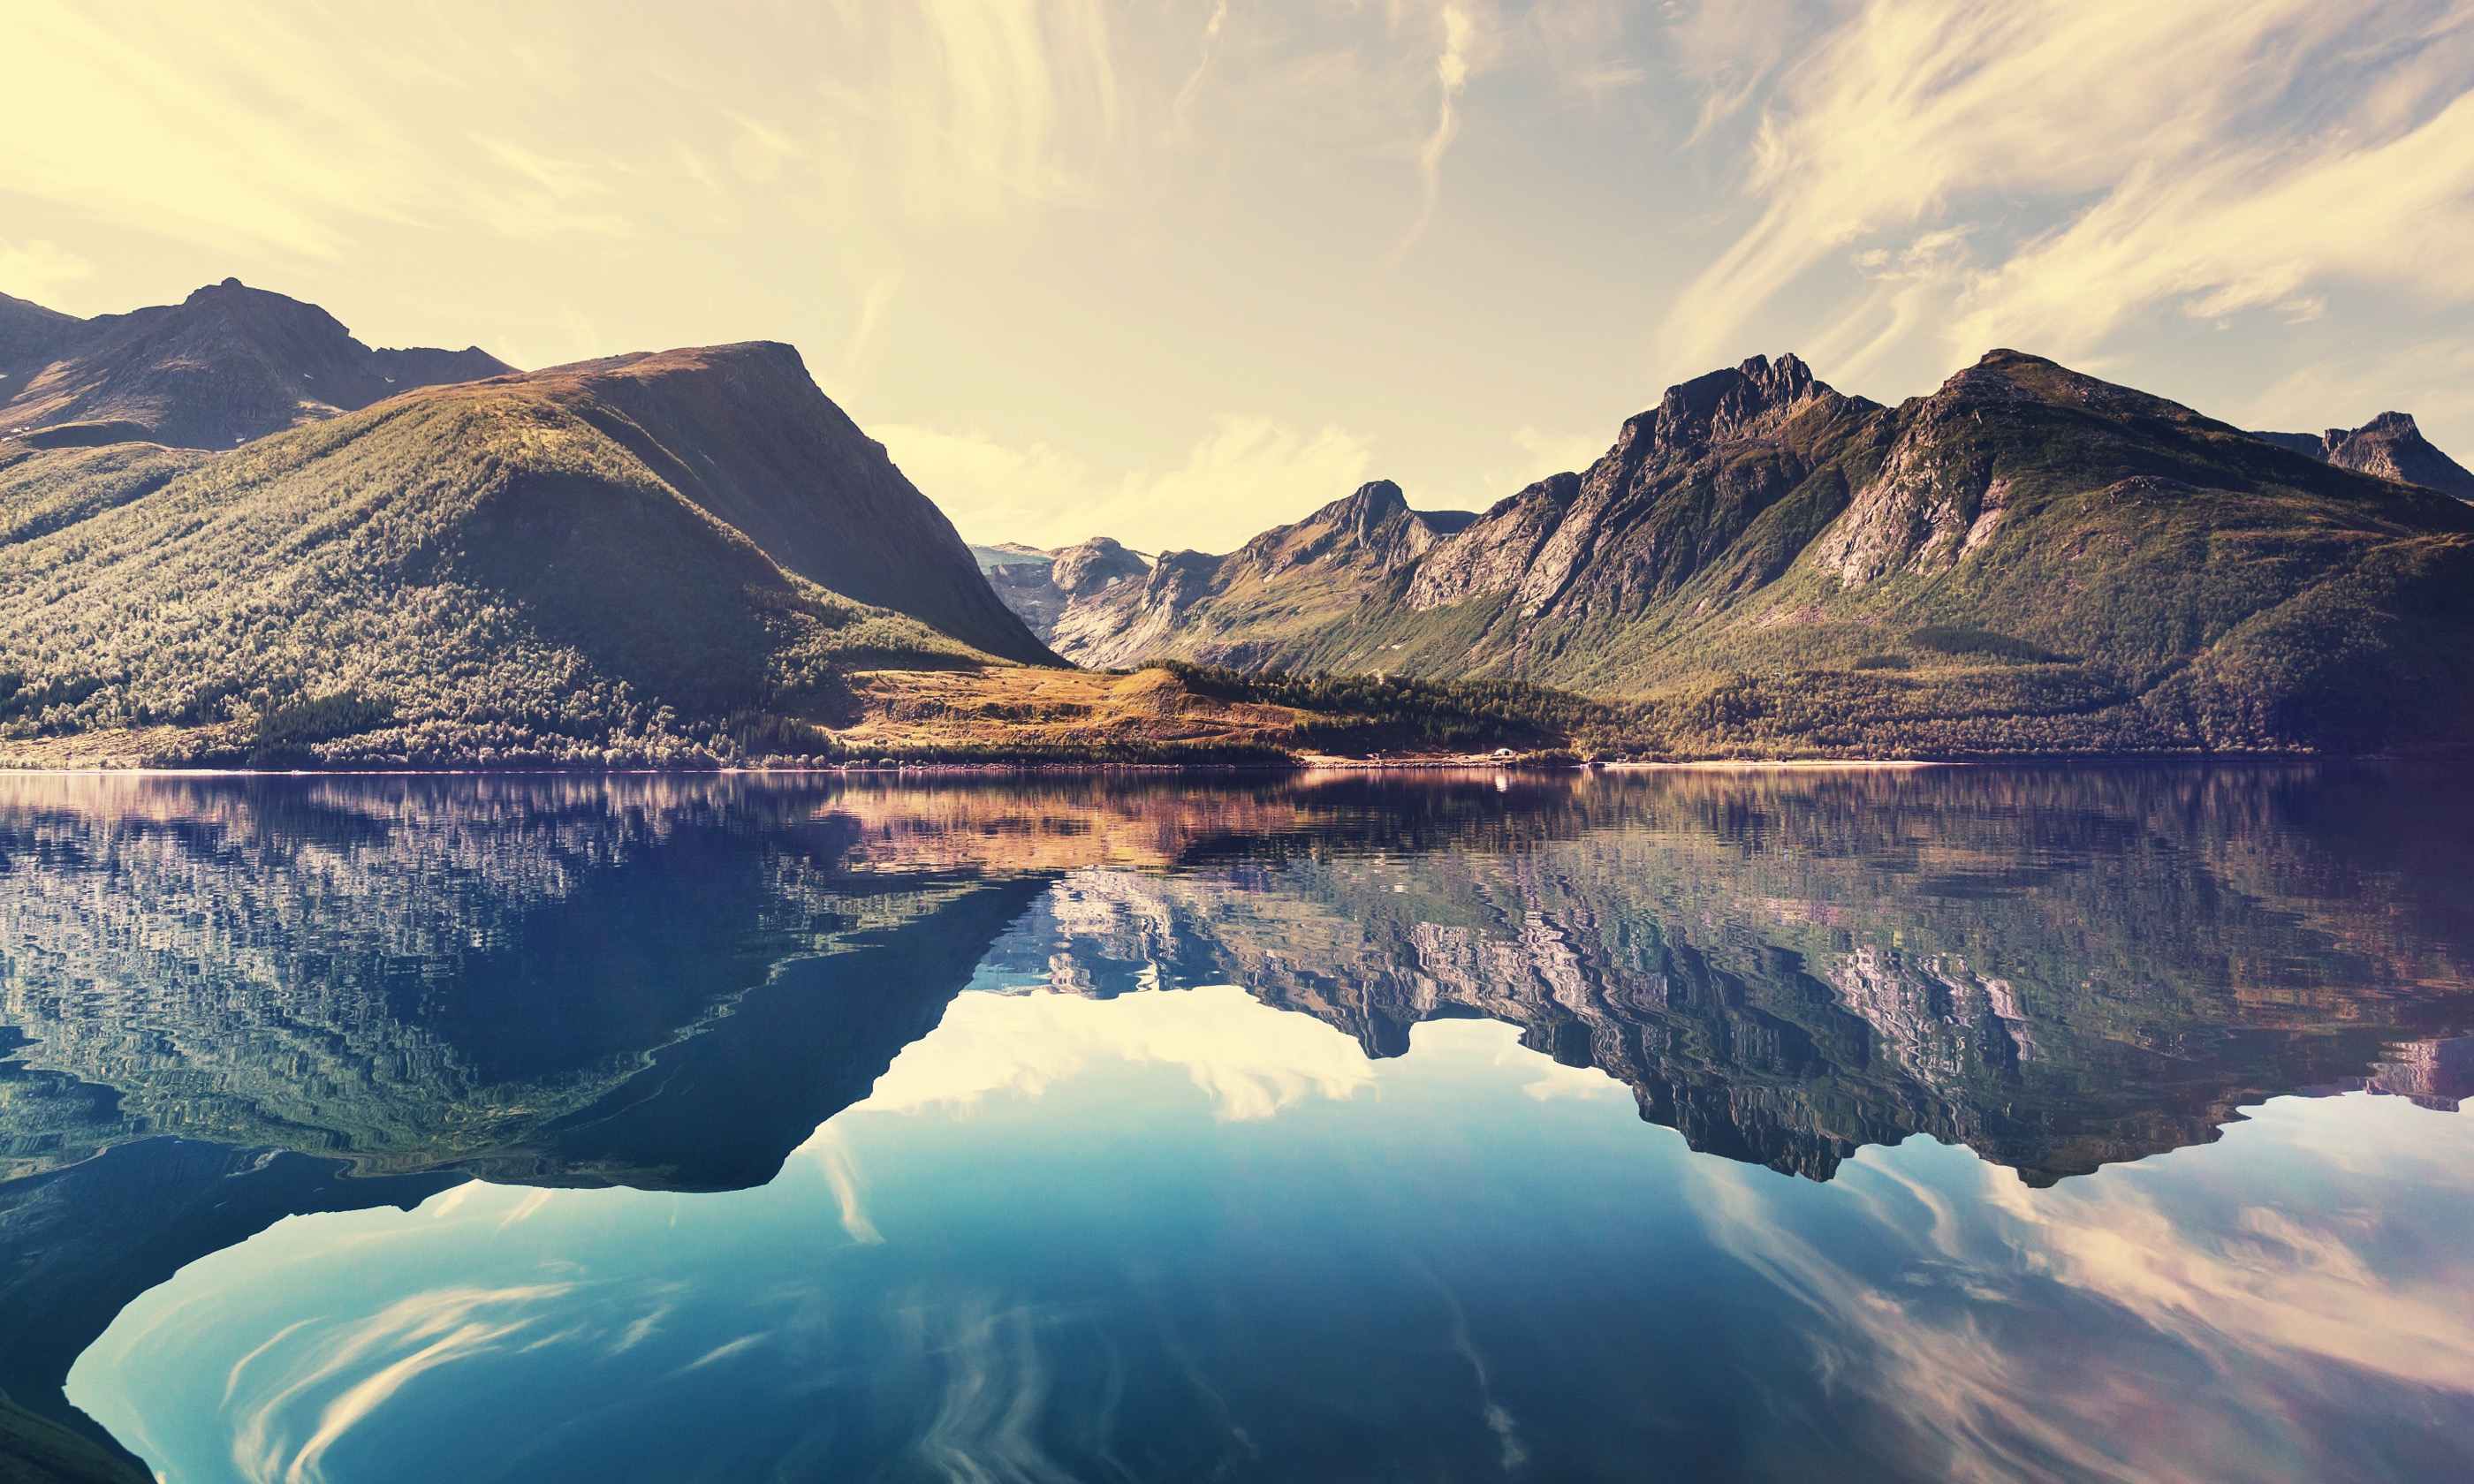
<point x="1479" y="766"/>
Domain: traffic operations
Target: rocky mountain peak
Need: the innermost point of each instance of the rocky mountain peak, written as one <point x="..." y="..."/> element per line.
<point x="2392" y="447"/>
<point x="1088" y="567"/>
<point x="1367" y="508"/>
<point x="1750" y="401"/>
<point x="1371" y="525"/>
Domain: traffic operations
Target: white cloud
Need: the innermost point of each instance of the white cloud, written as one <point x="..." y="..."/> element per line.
<point x="1250" y="1059"/>
<point x="35" y="269"/>
<point x="2059" y="170"/>
<point x="1247" y="474"/>
<point x="978" y="106"/>
<point x="1462" y="41"/>
<point x="240" y="126"/>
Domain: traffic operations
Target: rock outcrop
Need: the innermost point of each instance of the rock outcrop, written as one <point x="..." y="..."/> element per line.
<point x="1037" y="585"/>
<point x="2389" y="445"/>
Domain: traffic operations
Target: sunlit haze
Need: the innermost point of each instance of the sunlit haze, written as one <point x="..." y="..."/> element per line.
<point x="1174" y="272"/>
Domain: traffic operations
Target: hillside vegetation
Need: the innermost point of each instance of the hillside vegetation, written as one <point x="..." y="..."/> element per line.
<point x="477" y="573"/>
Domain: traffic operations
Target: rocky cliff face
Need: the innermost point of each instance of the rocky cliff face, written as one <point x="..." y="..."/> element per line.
<point x="1680" y="483"/>
<point x="1037" y="585"/>
<point x="227" y="364"/>
<point x="2389" y="445"/>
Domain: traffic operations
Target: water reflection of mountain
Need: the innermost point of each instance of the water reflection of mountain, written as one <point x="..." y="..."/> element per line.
<point x="2058" y="969"/>
<point x="225" y="1001"/>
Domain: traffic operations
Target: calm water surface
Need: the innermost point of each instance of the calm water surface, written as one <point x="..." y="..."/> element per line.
<point x="1955" y="1124"/>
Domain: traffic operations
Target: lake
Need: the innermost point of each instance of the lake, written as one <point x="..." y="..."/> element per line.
<point x="1934" y="1124"/>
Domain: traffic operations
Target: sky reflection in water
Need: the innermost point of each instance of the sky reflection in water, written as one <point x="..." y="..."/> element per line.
<point x="1859" y="1126"/>
<point x="1182" y="1234"/>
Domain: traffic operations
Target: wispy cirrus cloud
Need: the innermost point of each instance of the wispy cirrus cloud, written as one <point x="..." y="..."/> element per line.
<point x="325" y="1380"/>
<point x="1457" y="57"/>
<point x="2260" y="1276"/>
<point x="2055" y="172"/>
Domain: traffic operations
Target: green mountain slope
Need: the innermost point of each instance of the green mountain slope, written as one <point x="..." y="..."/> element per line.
<point x="530" y="569"/>
<point x="2029" y="560"/>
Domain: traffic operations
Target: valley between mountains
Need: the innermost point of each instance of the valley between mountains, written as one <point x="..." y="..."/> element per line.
<point x="232" y="535"/>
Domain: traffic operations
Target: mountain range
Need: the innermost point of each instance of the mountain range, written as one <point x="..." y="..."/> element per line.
<point x="231" y="533"/>
<point x="2028" y="559"/>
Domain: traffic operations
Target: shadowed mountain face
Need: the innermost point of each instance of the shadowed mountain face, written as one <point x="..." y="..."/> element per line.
<point x="227" y="364"/>
<point x="744" y="435"/>
<point x="230" y="1001"/>
<point x="2029" y="559"/>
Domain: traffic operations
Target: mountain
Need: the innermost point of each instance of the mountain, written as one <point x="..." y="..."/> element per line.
<point x="2389" y="446"/>
<point x="29" y="333"/>
<point x="1251" y="607"/>
<point x="746" y="436"/>
<point x="1037" y="585"/>
<point x="591" y="563"/>
<point x="2029" y="559"/>
<point x="227" y="364"/>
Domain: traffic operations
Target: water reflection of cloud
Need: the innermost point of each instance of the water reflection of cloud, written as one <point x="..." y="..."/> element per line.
<point x="994" y="1397"/>
<point x="1251" y="1060"/>
<point x="2298" y="1300"/>
<point x="339" y="1372"/>
<point x="833" y="1155"/>
<point x="1553" y="1080"/>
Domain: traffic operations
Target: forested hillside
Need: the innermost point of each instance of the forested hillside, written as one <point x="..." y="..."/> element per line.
<point x="527" y="569"/>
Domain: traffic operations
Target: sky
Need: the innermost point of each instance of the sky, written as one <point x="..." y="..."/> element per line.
<point x="1175" y="270"/>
